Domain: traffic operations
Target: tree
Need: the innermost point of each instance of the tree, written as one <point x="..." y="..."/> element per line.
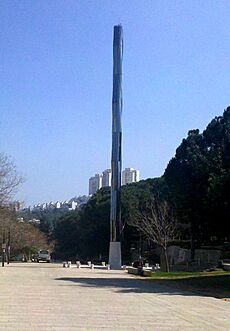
<point x="95" y="225"/>
<point x="156" y="221"/>
<point x="187" y="176"/>
<point x="67" y="235"/>
<point x="21" y="236"/>
<point x="85" y="234"/>
<point x="27" y="239"/>
<point x="198" y="178"/>
<point x="9" y="179"/>
<point x="7" y="219"/>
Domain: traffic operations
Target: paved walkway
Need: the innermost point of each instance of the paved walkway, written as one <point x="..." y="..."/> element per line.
<point x="49" y="297"/>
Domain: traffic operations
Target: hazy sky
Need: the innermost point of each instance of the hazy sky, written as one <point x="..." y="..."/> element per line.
<point x="56" y="85"/>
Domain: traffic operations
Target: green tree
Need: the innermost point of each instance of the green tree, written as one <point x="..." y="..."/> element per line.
<point x="198" y="176"/>
<point x="85" y="234"/>
<point x="67" y="235"/>
<point x="187" y="176"/>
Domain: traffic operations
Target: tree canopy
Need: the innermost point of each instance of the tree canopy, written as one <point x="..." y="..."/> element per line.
<point x="198" y="178"/>
<point x="195" y="184"/>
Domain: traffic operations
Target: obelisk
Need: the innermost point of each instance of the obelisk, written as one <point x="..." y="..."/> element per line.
<point x="115" y="211"/>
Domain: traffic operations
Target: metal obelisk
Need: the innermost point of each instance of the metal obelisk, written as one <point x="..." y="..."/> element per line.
<point x="115" y="212"/>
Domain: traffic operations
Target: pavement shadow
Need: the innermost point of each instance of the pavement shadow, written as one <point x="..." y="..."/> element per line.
<point x="209" y="285"/>
<point x="132" y="285"/>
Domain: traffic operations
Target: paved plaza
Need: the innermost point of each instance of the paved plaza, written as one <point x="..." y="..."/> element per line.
<point x="48" y="297"/>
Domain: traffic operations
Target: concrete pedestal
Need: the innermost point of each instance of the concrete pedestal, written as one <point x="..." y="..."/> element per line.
<point x="115" y="255"/>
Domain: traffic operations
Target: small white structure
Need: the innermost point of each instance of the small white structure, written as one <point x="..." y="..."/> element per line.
<point x="78" y="263"/>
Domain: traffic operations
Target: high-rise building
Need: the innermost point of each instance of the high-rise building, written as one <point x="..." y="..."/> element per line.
<point x="106" y="177"/>
<point x="95" y="184"/>
<point x="130" y="175"/>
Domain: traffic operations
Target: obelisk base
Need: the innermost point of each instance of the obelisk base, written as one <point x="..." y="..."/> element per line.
<point x="115" y="255"/>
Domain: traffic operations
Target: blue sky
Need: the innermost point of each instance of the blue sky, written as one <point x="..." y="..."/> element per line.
<point x="56" y="85"/>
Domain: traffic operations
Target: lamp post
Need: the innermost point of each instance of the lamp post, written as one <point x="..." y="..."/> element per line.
<point x="8" y="247"/>
<point x="140" y="246"/>
<point x="3" y="247"/>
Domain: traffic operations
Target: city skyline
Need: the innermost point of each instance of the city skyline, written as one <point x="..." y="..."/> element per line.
<point x="55" y="97"/>
<point x="128" y="175"/>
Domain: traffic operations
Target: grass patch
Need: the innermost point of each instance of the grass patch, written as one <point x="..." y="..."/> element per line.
<point x="183" y="275"/>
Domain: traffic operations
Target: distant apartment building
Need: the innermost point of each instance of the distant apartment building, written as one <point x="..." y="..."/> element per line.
<point x="16" y="205"/>
<point x="95" y="183"/>
<point x="69" y="205"/>
<point x="130" y="175"/>
<point x="106" y="177"/>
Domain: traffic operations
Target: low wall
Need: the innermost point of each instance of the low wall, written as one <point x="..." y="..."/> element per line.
<point x="181" y="256"/>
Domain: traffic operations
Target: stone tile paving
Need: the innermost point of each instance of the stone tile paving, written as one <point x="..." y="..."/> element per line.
<point x="48" y="297"/>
